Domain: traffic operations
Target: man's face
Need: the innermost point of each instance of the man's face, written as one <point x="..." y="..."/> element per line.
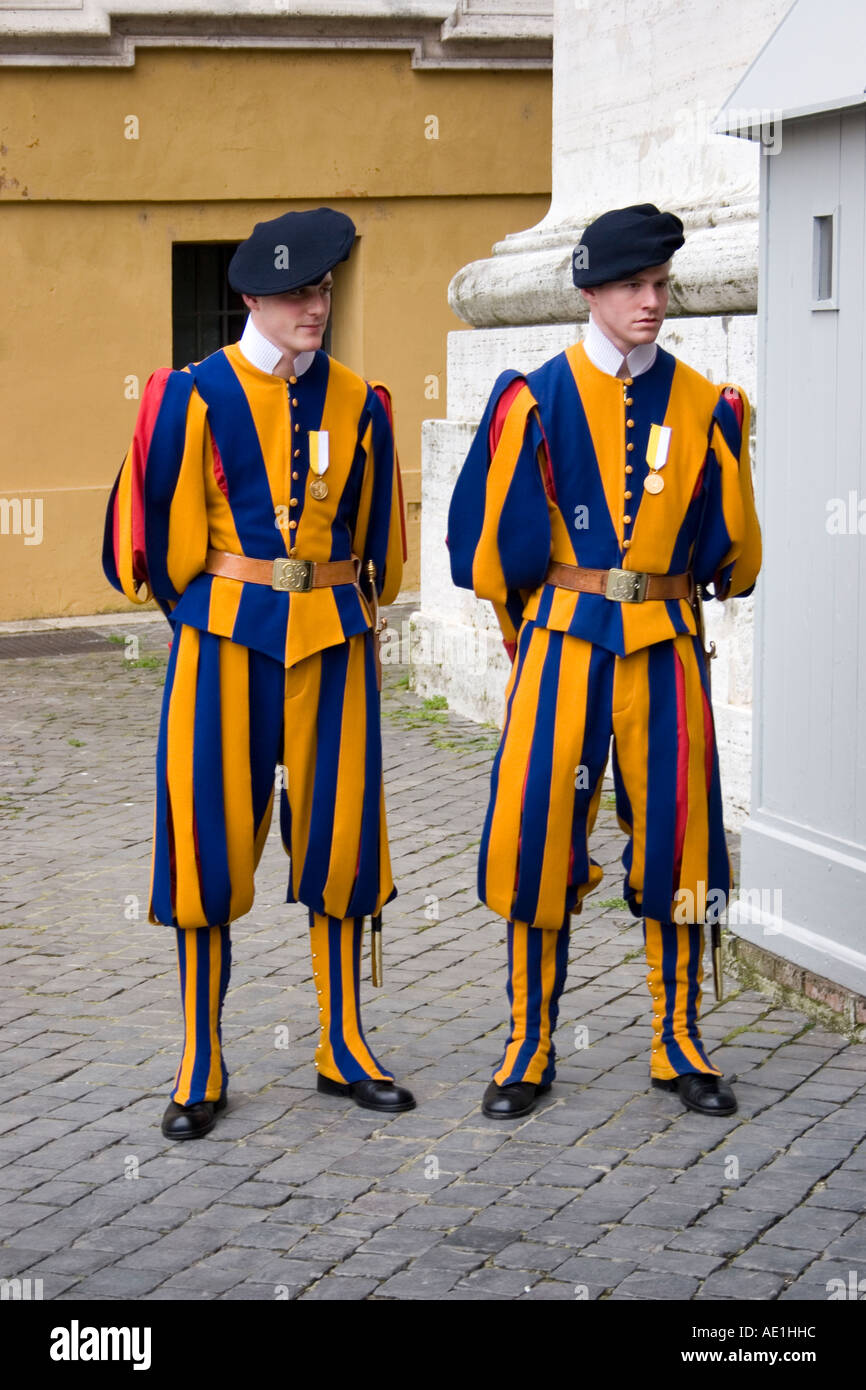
<point x="631" y="311"/>
<point x="294" y="320"/>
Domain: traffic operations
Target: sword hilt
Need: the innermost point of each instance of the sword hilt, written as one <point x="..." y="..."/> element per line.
<point x="376" y="949"/>
<point x="716" y="948"/>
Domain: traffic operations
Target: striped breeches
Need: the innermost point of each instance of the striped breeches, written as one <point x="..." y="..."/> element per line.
<point x="204" y="964"/>
<point x="230" y="715"/>
<point x="565" y="701"/>
<point x="537" y="965"/>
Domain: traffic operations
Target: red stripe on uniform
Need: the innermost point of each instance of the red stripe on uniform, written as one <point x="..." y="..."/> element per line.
<point x="385" y="397"/>
<point x="150" y="408"/>
<point x="218" y="470"/>
<point x="503" y="405"/>
<point x="735" y="401"/>
<point x="682" y="811"/>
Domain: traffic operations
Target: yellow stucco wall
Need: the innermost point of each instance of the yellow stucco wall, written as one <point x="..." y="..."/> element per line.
<point x="225" y="139"/>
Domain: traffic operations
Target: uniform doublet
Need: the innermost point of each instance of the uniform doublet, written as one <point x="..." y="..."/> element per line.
<point x="259" y="677"/>
<point x="556" y="474"/>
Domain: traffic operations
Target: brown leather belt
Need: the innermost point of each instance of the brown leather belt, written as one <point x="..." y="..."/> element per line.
<point x="623" y="586"/>
<point x="287" y="576"/>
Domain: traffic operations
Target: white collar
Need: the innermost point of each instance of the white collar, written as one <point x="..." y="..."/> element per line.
<point x="608" y="358"/>
<point x="262" y="353"/>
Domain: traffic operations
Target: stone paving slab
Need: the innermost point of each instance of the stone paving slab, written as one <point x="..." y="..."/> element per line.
<point x="607" y="1191"/>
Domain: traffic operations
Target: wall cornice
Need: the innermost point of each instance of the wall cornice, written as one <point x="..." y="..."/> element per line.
<point x="437" y="33"/>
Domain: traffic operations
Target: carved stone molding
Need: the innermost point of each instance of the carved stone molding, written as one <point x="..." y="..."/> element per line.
<point x="437" y="33"/>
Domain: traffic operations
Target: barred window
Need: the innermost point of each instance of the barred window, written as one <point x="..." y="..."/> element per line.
<point x="206" y="312"/>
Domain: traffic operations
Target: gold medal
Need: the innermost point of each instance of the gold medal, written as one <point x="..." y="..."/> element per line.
<point x="657" y="452"/>
<point x="319" y="445"/>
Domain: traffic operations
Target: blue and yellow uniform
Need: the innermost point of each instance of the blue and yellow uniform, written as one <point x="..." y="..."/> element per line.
<point x="556" y="475"/>
<point x="258" y="677"/>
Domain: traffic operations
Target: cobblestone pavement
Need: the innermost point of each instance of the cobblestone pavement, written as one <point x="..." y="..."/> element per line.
<point x="608" y="1190"/>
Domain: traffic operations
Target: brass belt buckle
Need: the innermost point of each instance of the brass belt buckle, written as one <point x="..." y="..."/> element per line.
<point x="293" y="576"/>
<point x="626" y="586"/>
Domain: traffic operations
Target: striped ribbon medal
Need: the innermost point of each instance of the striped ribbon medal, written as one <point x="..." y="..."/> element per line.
<point x="319" y="463"/>
<point x="657" y="452"/>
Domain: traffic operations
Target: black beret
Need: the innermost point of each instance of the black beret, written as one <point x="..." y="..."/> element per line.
<point x="622" y="242"/>
<point x="288" y="252"/>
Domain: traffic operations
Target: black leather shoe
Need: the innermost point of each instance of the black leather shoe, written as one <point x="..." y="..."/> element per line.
<point x="507" y="1102"/>
<point x="708" y="1095"/>
<point x="191" y="1121"/>
<point x="369" y="1094"/>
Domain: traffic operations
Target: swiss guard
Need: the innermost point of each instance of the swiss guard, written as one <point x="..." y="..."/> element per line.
<point x="260" y="505"/>
<point x="603" y="495"/>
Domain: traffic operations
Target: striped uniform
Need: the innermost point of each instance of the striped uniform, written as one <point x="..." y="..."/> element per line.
<point x="221" y="459"/>
<point x="556" y="472"/>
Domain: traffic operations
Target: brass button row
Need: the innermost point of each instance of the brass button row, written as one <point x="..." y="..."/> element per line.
<point x="296" y="453"/>
<point x="629" y="424"/>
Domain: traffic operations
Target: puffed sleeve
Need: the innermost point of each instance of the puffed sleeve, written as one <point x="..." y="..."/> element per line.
<point x="728" y="552"/>
<point x="156" y="528"/>
<point x="499" y="533"/>
<point x="380" y="529"/>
